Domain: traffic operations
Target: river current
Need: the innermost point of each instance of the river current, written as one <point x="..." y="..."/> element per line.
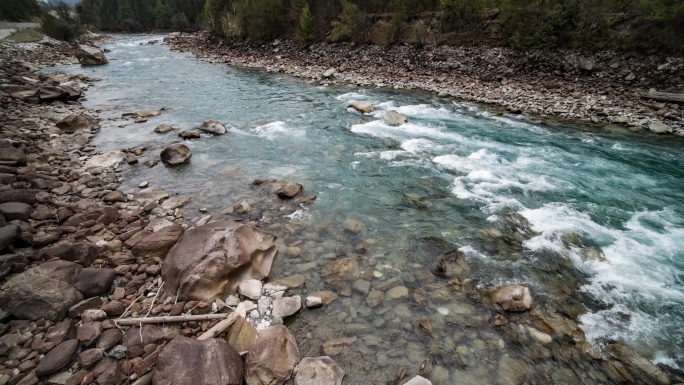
<point x="591" y="219"/>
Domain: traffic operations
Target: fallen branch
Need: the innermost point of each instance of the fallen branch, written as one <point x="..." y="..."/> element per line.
<point x="168" y="319"/>
<point x="663" y="97"/>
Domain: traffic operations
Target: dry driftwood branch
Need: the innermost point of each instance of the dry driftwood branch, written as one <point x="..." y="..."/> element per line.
<point x="168" y="319"/>
<point x="663" y="97"/>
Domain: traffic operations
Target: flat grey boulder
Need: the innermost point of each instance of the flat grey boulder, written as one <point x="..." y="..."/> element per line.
<point x="190" y="361"/>
<point x="210" y="261"/>
<point x="107" y="159"/>
<point x="175" y="154"/>
<point x="12" y="156"/>
<point x="213" y="127"/>
<point x="16" y="210"/>
<point x="89" y="55"/>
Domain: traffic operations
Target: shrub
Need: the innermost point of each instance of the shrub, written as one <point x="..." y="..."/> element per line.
<point x="351" y="24"/>
<point x="57" y="28"/>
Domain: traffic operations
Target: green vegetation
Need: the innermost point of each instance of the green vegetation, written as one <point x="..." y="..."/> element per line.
<point x="525" y="24"/>
<point x="26" y="35"/>
<point x="19" y="10"/>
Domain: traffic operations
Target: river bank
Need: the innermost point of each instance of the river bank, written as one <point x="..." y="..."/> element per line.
<point x="601" y="89"/>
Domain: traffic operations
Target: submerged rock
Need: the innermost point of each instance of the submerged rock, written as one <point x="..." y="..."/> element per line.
<point x="175" y="154"/>
<point x="89" y="55"/>
<point x="289" y="190"/>
<point x="395" y="118"/>
<point x="513" y="298"/>
<point x="319" y="371"/>
<point x="163" y="129"/>
<point x="210" y="261"/>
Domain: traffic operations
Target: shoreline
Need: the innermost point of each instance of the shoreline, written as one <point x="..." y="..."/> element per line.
<point x="597" y="89"/>
<point x="136" y="211"/>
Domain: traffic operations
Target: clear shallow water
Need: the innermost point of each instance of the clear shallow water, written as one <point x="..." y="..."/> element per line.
<point x="605" y="209"/>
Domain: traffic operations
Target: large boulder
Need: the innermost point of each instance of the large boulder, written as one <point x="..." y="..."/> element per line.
<point x="319" y="371"/>
<point x="27" y="196"/>
<point x="190" y="361"/>
<point x="511" y="298"/>
<point x="73" y="123"/>
<point x="89" y="55"/>
<point x="158" y="244"/>
<point x="175" y="154"/>
<point x="213" y="127"/>
<point x="210" y="261"/>
<point x="273" y="358"/>
<point x="639" y="366"/>
<point x="42" y="292"/>
<point x="49" y="94"/>
<point x="395" y="118"/>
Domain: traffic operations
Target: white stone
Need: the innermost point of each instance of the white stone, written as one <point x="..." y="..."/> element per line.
<point x="250" y="288"/>
<point x="418" y="380"/>
<point x="286" y="306"/>
<point x="397" y="292"/>
<point x="313" y="302"/>
<point x="540" y="336"/>
<point x="144" y="184"/>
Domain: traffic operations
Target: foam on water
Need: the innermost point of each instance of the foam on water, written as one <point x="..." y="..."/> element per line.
<point x="640" y="279"/>
<point x="277" y="129"/>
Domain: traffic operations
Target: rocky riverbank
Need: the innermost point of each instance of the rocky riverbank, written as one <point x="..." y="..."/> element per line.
<point x="603" y="89"/>
<point x="86" y="298"/>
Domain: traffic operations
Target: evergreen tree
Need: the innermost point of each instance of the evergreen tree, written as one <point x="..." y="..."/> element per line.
<point x="306" y="25"/>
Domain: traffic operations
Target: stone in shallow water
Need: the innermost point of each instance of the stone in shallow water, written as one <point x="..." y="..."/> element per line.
<point x="176" y="154"/>
<point x="286" y="306"/>
<point x="319" y="371"/>
<point x="513" y="298"/>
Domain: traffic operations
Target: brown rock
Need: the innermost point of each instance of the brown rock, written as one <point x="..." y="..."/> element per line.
<point x="273" y="358"/>
<point x="57" y="358"/>
<point x="345" y="268"/>
<point x="73" y="123"/>
<point x="319" y="371"/>
<point x="513" y="298"/>
<point x="211" y="260"/>
<point x="90" y="303"/>
<point x="94" y="281"/>
<point x="157" y="245"/>
<point x="109" y="338"/>
<point x="90" y="357"/>
<point x="113" y="308"/>
<point x="175" y="154"/>
<point x="81" y="253"/>
<point x="189" y="361"/>
<point x="242" y="335"/>
<point x="289" y="190"/>
<point x="88" y="333"/>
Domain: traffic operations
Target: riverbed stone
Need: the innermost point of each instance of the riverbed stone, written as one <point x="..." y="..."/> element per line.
<point x="158" y="244"/>
<point x="242" y="335"/>
<point x="319" y="371"/>
<point x="210" y="261"/>
<point x="658" y="127"/>
<point x="286" y="306"/>
<point x="512" y="298"/>
<point x="213" y="127"/>
<point x="13" y="156"/>
<point x="16" y="211"/>
<point x="289" y="190"/>
<point x="94" y="281"/>
<point x="418" y="380"/>
<point x="81" y="253"/>
<point x="105" y="160"/>
<point x="250" y="288"/>
<point x="176" y="154"/>
<point x="190" y="361"/>
<point x="57" y="358"/>
<point x="273" y="358"/>
<point x="639" y="366"/>
<point x="41" y="292"/>
<point x="76" y="122"/>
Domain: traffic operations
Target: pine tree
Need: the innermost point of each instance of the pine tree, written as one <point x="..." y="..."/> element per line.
<point x="306" y="25"/>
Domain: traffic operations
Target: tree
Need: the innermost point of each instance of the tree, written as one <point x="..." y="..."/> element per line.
<point x="307" y="30"/>
<point x="162" y="15"/>
<point x="351" y="24"/>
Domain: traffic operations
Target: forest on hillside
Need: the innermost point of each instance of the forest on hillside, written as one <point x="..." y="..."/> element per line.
<point x="525" y="24"/>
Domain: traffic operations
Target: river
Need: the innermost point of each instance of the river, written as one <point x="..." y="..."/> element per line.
<point x="590" y="219"/>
